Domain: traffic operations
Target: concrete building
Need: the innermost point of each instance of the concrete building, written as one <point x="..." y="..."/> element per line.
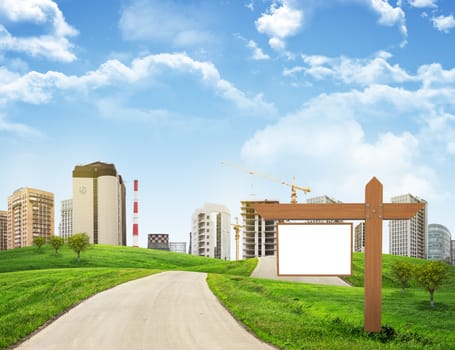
<point x="452" y="247"/>
<point x="99" y="203"/>
<point x="30" y="215"/>
<point x="3" y="226"/>
<point x="210" y="234"/>
<point x="259" y="235"/>
<point x="359" y="238"/>
<point x="177" y="247"/>
<point x="158" y="241"/>
<point x="439" y="243"/>
<point x="322" y="200"/>
<point x="66" y="219"/>
<point x="409" y="237"/>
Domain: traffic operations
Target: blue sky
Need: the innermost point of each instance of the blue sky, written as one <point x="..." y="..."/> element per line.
<point x="331" y="92"/>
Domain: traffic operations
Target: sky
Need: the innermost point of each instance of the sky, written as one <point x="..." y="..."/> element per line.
<point x="332" y="93"/>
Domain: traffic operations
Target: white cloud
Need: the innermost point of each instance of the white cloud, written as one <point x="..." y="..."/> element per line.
<point x="391" y="16"/>
<point x="170" y="21"/>
<point x="422" y="3"/>
<point x="53" y="45"/>
<point x="258" y="54"/>
<point x="444" y="23"/>
<point x="16" y="128"/>
<point x="280" y="22"/>
<point x="353" y="71"/>
<point x="35" y="87"/>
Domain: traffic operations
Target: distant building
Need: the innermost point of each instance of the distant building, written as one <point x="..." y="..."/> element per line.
<point x="158" y="241"/>
<point x="259" y="235"/>
<point x="177" y="247"/>
<point x="359" y="237"/>
<point x="66" y="219"/>
<point x="30" y="215"/>
<point x="452" y="247"/>
<point x="409" y="237"/>
<point x="99" y="203"/>
<point x="3" y="228"/>
<point x="323" y="200"/>
<point x="210" y="234"/>
<point x="439" y="243"/>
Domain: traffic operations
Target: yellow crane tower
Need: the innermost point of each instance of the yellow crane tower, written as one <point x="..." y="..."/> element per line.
<point x="293" y="186"/>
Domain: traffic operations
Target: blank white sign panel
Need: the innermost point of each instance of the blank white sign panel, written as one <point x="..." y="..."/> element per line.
<point x="315" y="249"/>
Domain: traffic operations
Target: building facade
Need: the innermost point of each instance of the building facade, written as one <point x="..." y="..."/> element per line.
<point x="99" y="196"/>
<point x="30" y="215"/>
<point x="177" y="247"/>
<point x="210" y="233"/>
<point x="158" y="241"/>
<point x="359" y="237"/>
<point x="409" y="237"/>
<point x="259" y="235"/>
<point x="3" y="226"/>
<point x="452" y="247"/>
<point x="66" y="219"/>
<point x="439" y="243"/>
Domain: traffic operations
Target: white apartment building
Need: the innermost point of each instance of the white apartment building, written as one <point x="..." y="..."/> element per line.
<point x="3" y="227"/>
<point x="99" y="203"/>
<point x="259" y="235"/>
<point x="210" y="233"/>
<point x="439" y="243"/>
<point x="359" y="237"/>
<point x="66" y="219"/>
<point x="409" y="237"/>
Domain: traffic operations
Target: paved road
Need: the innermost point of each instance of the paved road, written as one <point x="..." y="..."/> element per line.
<point x="168" y="311"/>
<point x="266" y="268"/>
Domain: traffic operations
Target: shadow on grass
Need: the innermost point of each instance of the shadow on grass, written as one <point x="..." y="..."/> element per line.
<point x="425" y="305"/>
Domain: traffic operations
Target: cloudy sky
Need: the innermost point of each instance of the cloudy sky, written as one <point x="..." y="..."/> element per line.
<point x="331" y="92"/>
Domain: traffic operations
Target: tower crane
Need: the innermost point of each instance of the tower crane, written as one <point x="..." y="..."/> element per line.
<point x="293" y="186"/>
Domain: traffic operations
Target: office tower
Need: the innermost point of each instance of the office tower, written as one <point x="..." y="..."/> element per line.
<point x="99" y="203"/>
<point x="409" y="237"/>
<point x="3" y="226"/>
<point x="66" y="219"/>
<point x="359" y="237"/>
<point x="322" y="200"/>
<point x="210" y="234"/>
<point x="439" y="243"/>
<point x="30" y="215"/>
<point x="158" y="241"/>
<point x="259" y="235"/>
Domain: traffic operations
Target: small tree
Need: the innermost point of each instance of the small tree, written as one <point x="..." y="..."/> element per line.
<point x="56" y="242"/>
<point x="402" y="272"/>
<point x="78" y="242"/>
<point x="39" y="242"/>
<point x="431" y="275"/>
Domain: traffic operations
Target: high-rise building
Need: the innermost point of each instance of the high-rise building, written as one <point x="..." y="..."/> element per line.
<point x="452" y="247"/>
<point x="439" y="243"/>
<point x="409" y="237"/>
<point x="259" y="235"/>
<point x="210" y="234"/>
<point x="3" y="226"/>
<point x="66" y="219"/>
<point x="99" y="203"/>
<point x="30" y="215"/>
<point x="322" y="200"/>
<point x="359" y="237"/>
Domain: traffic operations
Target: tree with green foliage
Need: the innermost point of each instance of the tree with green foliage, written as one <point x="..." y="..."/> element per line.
<point x="39" y="242"/>
<point x="431" y="275"/>
<point x="78" y="242"/>
<point x="56" y="242"/>
<point x="402" y="271"/>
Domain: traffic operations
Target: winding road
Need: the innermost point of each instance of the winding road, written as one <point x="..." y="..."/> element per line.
<point x="167" y="311"/>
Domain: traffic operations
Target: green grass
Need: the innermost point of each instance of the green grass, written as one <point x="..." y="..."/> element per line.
<point x="37" y="285"/>
<point x="28" y="299"/>
<point x="301" y="316"/>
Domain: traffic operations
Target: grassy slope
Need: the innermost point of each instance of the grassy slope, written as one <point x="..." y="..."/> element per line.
<point x="38" y="285"/>
<point x="298" y="316"/>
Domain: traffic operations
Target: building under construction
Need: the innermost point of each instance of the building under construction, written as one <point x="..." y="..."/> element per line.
<point x="259" y="235"/>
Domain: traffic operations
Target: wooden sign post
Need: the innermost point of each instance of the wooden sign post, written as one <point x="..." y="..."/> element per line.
<point x="373" y="211"/>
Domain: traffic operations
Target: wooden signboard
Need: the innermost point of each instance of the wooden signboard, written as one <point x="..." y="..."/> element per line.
<point x="373" y="211"/>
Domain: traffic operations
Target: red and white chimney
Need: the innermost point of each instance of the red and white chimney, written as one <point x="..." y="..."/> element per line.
<point x="135" y="216"/>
